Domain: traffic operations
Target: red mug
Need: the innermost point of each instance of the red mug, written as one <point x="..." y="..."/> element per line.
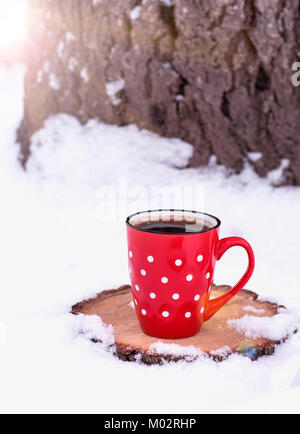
<point x="172" y="256"/>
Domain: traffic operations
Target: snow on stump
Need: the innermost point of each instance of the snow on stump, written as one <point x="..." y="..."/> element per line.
<point x="244" y="326"/>
<point x="215" y="73"/>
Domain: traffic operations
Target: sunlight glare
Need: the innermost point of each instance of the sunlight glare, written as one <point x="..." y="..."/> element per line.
<point x="12" y="23"/>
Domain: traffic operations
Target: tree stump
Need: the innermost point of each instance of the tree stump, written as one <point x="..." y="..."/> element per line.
<point x="215" y="73"/>
<point x="216" y="338"/>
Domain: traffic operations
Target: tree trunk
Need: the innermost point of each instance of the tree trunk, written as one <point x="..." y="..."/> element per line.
<point x="215" y="73"/>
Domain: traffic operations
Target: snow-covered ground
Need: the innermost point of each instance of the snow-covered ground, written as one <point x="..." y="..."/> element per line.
<point x="62" y="238"/>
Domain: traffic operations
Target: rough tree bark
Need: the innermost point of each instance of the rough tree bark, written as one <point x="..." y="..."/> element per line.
<point x="216" y="73"/>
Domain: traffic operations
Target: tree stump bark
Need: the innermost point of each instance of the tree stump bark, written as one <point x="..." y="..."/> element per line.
<point x="216" y="73"/>
<point x="216" y="338"/>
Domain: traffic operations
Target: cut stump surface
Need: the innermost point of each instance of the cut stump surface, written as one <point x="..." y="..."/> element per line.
<point x="216" y="338"/>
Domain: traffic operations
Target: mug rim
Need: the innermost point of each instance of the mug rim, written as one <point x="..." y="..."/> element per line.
<point x="173" y="210"/>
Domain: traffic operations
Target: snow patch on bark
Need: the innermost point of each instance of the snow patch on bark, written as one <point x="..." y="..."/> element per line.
<point x="135" y="14"/>
<point x="113" y="88"/>
<point x="175" y="350"/>
<point x="73" y="62"/>
<point x="276" y="177"/>
<point x="60" y="49"/>
<point x="275" y="328"/>
<point x="93" y="328"/>
<point x="222" y="352"/>
<point x="53" y="82"/>
<point x="84" y="74"/>
<point x="254" y="156"/>
<point x="253" y="310"/>
<point x="70" y="37"/>
<point x="39" y="76"/>
<point x="168" y="3"/>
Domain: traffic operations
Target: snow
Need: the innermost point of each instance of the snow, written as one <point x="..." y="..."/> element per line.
<point x="73" y="62"/>
<point x="60" y="49"/>
<point x="175" y="350"/>
<point x="275" y="328"/>
<point x="253" y="309"/>
<point x="222" y="352"/>
<point x="39" y="76"/>
<point x="70" y="37"/>
<point x="254" y="156"/>
<point x="3" y="335"/>
<point x="276" y="176"/>
<point x="136" y="13"/>
<point x="92" y="327"/>
<point x="179" y="97"/>
<point x="296" y="381"/>
<point x="113" y="88"/>
<point x="53" y="82"/>
<point x="57" y="249"/>
<point x="168" y="3"/>
<point x="84" y="74"/>
<point x="167" y="66"/>
<point x="2" y="75"/>
<point x="46" y="66"/>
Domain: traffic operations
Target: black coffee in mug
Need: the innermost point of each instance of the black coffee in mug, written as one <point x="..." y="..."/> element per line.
<point x="172" y="226"/>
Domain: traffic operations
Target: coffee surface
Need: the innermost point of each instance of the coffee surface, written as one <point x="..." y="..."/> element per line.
<point x="173" y="227"/>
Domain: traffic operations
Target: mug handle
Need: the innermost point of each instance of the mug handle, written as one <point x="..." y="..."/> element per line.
<point x="226" y="243"/>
